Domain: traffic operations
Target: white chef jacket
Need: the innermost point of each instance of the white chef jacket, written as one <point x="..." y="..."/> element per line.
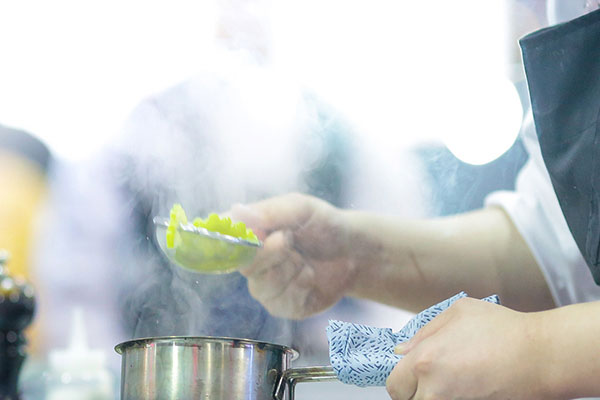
<point x="534" y="209"/>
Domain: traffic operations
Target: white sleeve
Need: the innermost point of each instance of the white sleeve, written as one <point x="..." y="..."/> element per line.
<point x="535" y="211"/>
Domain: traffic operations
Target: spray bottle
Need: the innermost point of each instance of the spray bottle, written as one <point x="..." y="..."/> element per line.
<point x="78" y="372"/>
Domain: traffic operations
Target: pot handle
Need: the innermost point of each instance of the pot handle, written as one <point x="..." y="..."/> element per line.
<point x="303" y="374"/>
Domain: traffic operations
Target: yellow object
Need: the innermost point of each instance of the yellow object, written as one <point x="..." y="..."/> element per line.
<point x="213" y="223"/>
<point x="22" y="190"/>
<point x="208" y="253"/>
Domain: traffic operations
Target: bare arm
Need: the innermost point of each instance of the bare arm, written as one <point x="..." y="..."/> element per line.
<point x="569" y="343"/>
<point x="479" y="350"/>
<point x="314" y="254"/>
<point x="413" y="264"/>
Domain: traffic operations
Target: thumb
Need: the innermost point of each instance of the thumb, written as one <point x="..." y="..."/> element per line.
<point x="250" y="216"/>
<point x="287" y="211"/>
<point x="426" y="331"/>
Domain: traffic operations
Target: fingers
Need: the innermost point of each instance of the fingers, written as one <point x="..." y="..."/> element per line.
<point x="250" y="216"/>
<point x="268" y="215"/>
<point x="274" y="268"/>
<point x="292" y="302"/>
<point x="402" y="384"/>
<point x="449" y="357"/>
<point x="274" y="283"/>
<point x="428" y="330"/>
<point x="277" y="248"/>
<point x="279" y="278"/>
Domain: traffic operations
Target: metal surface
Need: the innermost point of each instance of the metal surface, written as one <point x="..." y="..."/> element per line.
<point x="304" y="374"/>
<point x="210" y="368"/>
<point x="205" y="251"/>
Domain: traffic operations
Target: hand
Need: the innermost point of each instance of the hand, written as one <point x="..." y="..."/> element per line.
<point x="305" y="264"/>
<point x="473" y="350"/>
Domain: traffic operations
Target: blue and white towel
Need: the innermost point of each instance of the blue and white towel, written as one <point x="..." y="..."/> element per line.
<point x="364" y="356"/>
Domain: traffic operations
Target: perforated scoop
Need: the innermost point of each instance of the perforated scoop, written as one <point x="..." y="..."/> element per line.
<point x="204" y="251"/>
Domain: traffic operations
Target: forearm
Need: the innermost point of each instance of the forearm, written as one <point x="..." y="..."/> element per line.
<point x="413" y="264"/>
<point x="570" y="346"/>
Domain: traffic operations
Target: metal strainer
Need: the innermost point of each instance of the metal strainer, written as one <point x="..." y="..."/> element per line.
<point x="204" y="251"/>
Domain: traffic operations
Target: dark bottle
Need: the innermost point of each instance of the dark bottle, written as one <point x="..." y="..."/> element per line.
<point x="17" y="305"/>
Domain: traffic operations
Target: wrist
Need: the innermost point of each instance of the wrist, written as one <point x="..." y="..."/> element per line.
<point x="538" y="357"/>
<point x="352" y="247"/>
<point x="371" y="253"/>
<point x="570" y="340"/>
<point x="556" y="374"/>
<point x="355" y="248"/>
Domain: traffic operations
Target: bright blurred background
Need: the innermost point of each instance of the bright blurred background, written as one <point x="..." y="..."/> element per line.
<point x="433" y="91"/>
<point x="405" y="72"/>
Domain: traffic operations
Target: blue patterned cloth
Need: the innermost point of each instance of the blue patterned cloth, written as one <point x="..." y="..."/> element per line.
<point x="363" y="355"/>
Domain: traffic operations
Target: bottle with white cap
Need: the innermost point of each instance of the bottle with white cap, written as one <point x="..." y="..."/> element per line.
<point x="78" y="372"/>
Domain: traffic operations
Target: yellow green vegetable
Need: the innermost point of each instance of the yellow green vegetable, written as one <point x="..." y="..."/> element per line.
<point x="207" y="254"/>
<point x="177" y="216"/>
<point x="213" y="223"/>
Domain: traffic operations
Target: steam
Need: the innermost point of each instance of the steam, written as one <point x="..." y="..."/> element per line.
<point x="236" y="133"/>
<point x="240" y="131"/>
<point x="221" y="138"/>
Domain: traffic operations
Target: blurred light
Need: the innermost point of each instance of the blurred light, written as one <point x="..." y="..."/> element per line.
<point x="486" y="122"/>
<point x="72" y="71"/>
<point x="395" y="69"/>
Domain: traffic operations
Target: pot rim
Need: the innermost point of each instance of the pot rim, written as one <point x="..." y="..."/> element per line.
<point x="189" y="340"/>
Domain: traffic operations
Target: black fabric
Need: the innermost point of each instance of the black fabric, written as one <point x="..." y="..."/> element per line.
<point x="563" y="73"/>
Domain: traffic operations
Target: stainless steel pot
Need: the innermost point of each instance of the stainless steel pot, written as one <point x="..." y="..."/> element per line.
<point x="211" y="368"/>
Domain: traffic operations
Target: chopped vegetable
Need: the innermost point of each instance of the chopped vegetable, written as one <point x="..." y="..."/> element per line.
<point x="213" y="223"/>
<point x="177" y="216"/>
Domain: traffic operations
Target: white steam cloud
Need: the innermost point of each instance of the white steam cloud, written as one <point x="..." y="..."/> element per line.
<point x="239" y="133"/>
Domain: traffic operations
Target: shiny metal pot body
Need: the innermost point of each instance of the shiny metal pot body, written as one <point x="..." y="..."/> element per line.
<point x="209" y="368"/>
